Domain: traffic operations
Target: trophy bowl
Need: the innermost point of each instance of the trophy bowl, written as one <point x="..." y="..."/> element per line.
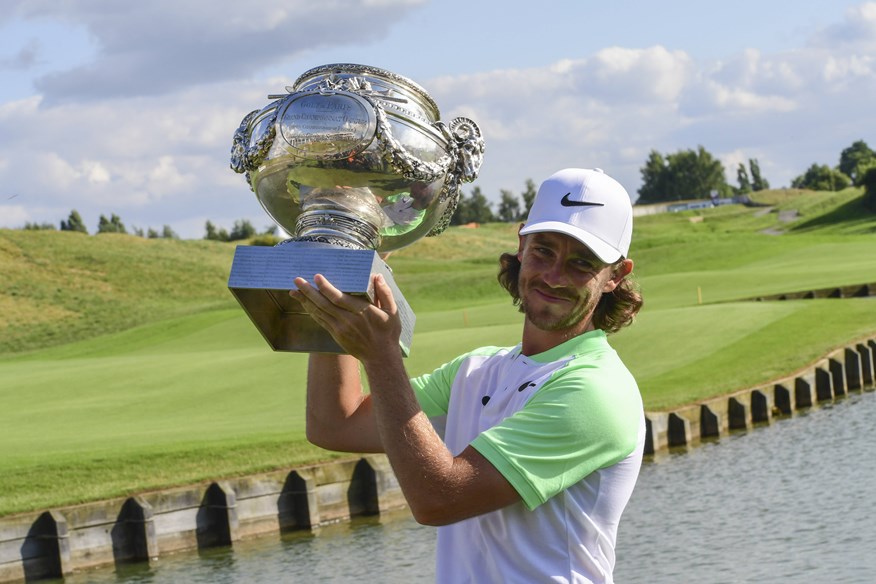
<point x="352" y="161"/>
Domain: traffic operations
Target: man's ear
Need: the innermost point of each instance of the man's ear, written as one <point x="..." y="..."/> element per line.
<point x="621" y="271"/>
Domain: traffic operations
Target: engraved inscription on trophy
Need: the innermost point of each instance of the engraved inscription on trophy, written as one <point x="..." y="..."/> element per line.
<point x="328" y="127"/>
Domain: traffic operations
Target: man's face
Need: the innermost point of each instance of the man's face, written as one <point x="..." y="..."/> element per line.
<point x="561" y="282"/>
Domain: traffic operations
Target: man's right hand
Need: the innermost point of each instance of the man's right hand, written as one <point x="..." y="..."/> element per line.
<point x="365" y="330"/>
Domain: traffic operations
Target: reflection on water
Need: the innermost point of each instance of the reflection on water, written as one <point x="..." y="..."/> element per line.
<point x="788" y="502"/>
<point x="391" y="549"/>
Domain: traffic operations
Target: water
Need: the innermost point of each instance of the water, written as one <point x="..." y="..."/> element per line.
<point x="391" y="549"/>
<point x="784" y="503"/>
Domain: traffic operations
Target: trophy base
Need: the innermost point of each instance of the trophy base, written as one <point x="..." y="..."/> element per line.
<point x="261" y="278"/>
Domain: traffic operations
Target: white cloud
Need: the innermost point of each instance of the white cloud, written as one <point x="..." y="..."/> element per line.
<point x="842" y="69"/>
<point x="166" y="178"/>
<point x="152" y="48"/>
<point x="735" y="99"/>
<point x="95" y="172"/>
<point x="636" y="74"/>
<point x="12" y="110"/>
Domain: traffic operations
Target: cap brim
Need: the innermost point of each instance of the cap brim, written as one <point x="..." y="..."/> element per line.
<point x="604" y="251"/>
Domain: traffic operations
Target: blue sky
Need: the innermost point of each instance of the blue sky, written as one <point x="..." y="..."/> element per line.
<point x="129" y="108"/>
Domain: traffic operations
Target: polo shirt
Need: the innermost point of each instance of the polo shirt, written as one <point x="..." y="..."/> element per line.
<point x="567" y="429"/>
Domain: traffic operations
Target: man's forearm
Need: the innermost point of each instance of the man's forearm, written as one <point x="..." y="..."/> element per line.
<point x="440" y="488"/>
<point x="418" y="456"/>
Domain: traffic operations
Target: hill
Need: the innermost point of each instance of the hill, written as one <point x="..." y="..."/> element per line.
<point x="59" y="287"/>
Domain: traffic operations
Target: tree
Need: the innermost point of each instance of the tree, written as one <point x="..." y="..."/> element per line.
<point x="868" y="181"/>
<point x="856" y="160"/>
<point x="473" y="209"/>
<point x="654" y="175"/>
<point x="509" y="207"/>
<point x="74" y="223"/>
<point x="152" y="234"/>
<point x="117" y="222"/>
<point x="686" y="174"/>
<point x="45" y="226"/>
<point x="211" y="234"/>
<point x="821" y="177"/>
<point x="168" y="233"/>
<point x="742" y="179"/>
<point x="112" y="225"/>
<point x="758" y="183"/>
<point x="528" y="197"/>
<point x="242" y="229"/>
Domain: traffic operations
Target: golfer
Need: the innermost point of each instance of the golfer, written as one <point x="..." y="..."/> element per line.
<point x="524" y="456"/>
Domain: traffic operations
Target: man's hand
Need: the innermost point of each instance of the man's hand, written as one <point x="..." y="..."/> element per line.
<point x="365" y="330"/>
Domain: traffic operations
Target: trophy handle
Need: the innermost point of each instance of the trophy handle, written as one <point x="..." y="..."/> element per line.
<point x="467" y="145"/>
<point x="245" y="158"/>
<point x="461" y="163"/>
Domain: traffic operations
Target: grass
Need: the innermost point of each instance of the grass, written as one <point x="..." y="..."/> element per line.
<point x="58" y="286"/>
<point x="125" y="364"/>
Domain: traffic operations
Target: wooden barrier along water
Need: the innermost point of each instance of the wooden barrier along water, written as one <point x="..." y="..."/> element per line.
<point x="845" y="370"/>
<point x="57" y="542"/>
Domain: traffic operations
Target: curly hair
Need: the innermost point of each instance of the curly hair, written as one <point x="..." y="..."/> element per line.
<point x="614" y="311"/>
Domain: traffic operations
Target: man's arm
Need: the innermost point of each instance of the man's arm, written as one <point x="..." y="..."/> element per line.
<point x="339" y="414"/>
<point x="440" y="488"/>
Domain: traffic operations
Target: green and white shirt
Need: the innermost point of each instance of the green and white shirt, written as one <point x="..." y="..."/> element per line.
<point x="567" y="429"/>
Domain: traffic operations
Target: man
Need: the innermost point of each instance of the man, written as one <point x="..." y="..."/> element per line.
<point x="525" y="456"/>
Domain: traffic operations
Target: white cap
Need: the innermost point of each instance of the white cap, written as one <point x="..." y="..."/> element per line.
<point x="588" y="205"/>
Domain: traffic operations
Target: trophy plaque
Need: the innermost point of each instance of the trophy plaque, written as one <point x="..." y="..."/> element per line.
<point x="353" y="162"/>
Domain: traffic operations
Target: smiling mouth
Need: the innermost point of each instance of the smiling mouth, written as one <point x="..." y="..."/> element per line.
<point x="551" y="296"/>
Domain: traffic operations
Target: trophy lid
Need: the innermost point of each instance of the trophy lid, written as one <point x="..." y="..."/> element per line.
<point x="368" y="71"/>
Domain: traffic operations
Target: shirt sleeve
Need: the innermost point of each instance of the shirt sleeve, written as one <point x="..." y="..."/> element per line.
<point x="433" y="389"/>
<point x="579" y="421"/>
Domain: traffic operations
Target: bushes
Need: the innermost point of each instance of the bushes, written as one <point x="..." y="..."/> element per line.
<point x="821" y="177"/>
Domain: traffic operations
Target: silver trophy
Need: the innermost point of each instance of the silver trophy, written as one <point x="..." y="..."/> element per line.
<point x="353" y="162"/>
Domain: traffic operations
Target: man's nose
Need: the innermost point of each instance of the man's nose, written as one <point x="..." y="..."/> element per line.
<point x="555" y="275"/>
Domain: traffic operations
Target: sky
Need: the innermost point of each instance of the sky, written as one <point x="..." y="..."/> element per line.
<point x="129" y="108"/>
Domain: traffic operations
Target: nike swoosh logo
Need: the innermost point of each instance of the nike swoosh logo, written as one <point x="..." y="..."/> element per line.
<point x="566" y="202"/>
